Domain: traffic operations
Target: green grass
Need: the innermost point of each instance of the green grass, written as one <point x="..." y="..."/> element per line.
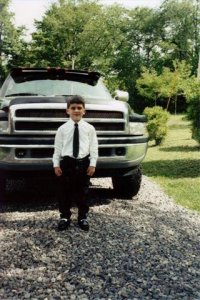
<point x="175" y="165"/>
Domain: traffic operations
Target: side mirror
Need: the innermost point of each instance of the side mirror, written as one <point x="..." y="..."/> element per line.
<point x="121" y="95"/>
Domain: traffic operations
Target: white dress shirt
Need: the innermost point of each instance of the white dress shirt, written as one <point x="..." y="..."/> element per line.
<point x="88" y="144"/>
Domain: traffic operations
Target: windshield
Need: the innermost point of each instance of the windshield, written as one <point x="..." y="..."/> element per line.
<point x="53" y="87"/>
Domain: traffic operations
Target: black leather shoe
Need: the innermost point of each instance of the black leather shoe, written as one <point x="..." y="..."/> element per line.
<point x="83" y="224"/>
<point x="63" y="224"/>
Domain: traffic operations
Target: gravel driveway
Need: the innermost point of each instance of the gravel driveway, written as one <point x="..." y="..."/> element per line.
<point x="146" y="248"/>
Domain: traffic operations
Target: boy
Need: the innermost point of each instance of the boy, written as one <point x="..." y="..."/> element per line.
<point x="74" y="160"/>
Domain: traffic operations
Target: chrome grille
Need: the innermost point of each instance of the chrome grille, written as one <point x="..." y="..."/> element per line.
<point x="44" y="119"/>
<point x="52" y="126"/>
<point x="61" y="113"/>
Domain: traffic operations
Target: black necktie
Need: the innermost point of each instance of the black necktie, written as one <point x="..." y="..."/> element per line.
<point x="76" y="141"/>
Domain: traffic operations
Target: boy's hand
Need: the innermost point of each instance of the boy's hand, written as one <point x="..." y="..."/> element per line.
<point x="90" y="170"/>
<point x="58" y="171"/>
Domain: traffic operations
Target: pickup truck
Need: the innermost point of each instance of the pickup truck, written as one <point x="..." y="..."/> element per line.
<point x="32" y="107"/>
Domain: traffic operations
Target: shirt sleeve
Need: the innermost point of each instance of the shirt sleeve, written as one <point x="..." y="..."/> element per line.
<point x="58" y="144"/>
<point x="93" y="147"/>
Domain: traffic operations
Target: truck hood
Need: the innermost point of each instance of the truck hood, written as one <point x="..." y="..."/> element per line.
<point x="61" y="102"/>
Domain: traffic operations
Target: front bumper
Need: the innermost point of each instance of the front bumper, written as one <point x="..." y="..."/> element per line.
<point x="117" y="155"/>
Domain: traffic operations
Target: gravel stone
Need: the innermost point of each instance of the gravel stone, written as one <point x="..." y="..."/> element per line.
<point x="144" y="248"/>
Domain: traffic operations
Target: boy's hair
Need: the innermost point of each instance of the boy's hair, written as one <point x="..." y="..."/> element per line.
<point x="76" y="99"/>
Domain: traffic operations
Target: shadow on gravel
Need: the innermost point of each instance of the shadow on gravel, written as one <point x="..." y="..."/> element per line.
<point x="150" y="255"/>
<point x="40" y="197"/>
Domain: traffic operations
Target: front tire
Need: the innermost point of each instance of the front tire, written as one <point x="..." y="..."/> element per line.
<point x="127" y="187"/>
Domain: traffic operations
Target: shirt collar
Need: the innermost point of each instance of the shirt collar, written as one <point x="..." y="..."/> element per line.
<point x="72" y="122"/>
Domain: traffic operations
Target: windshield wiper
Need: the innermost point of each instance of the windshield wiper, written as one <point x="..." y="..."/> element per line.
<point x="24" y="94"/>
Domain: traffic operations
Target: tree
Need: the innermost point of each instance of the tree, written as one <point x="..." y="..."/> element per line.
<point x="57" y="38"/>
<point x="181" y="30"/>
<point x="81" y="32"/>
<point x="103" y="38"/>
<point x="173" y="83"/>
<point x="168" y="85"/>
<point x="11" y="39"/>
<point x="156" y="38"/>
<point x="4" y="25"/>
<point x="141" y="32"/>
<point x="149" y="84"/>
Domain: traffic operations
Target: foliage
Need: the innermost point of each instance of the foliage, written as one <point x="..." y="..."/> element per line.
<point x="103" y="38"/>
<point x="173" y="83"/>
<point x="141" y="37"/>
<point x="11" y="40"/>
<point x="157" y="119"/>
<point x="194" y="116"/>
<point x="80" y="33"/>
<point x="149" y="84"/>
<point x="181" y="30"/>
<point x="156" y="38"/>
<point x="193" y="111"/>
<point x="113" y="84"/>
<point x="168" y="85"/>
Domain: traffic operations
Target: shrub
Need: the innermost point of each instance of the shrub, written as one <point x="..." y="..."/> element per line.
<point x="193" y="114"/>
<point x="157" y="119"/>
<point x="192" y="94"/>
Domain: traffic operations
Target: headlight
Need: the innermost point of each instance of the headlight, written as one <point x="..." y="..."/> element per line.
<point x="3" y="121"/>
<point x="137" y="128"/>
<point x="3" y="126"/>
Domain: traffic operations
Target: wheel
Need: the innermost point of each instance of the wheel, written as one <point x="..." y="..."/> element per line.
<point x="127" y="186"/>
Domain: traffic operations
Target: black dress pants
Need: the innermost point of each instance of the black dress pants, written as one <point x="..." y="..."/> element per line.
<point x="73" y="186"/>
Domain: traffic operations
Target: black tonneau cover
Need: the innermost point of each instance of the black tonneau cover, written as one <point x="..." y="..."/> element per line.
<point x="29" y="74"/>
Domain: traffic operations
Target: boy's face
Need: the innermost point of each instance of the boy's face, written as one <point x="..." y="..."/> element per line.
<point x="76" y="111"/>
